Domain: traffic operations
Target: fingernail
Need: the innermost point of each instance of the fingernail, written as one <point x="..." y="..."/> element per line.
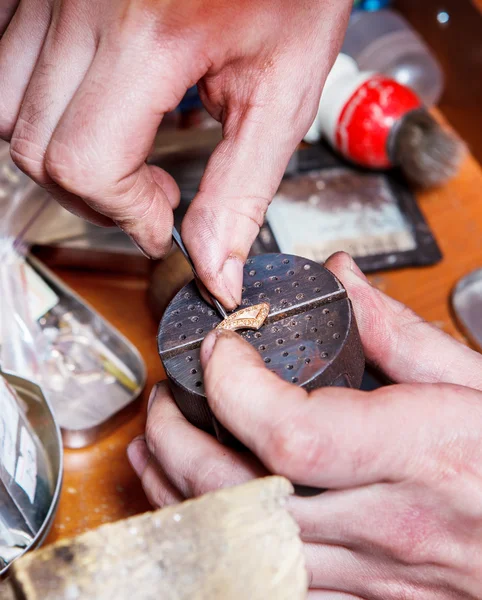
<point x="152" y="395"/>
<point x="208" y="346"/>
<point x="233" y="277"/>
<point x="141" y="250"/>
<point x="136" y="244"/>
<point x="138" y="455"/>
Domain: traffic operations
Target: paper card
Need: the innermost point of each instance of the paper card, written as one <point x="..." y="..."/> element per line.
<point x="41" y="297"/>
<point x="321" y="212"/>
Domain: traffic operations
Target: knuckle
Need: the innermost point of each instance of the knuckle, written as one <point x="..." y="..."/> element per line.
<point x="64" y="167"/>
<point x="28" y="154"/>
<point x="154" y="434"/>
<point x="156" y="492"/>
<point x="158" y="495"/>
<point x="136" y="201"/>
<point x="294" y="448"/>
<point x="213" y="474"/>
<point x="414" y="534"/>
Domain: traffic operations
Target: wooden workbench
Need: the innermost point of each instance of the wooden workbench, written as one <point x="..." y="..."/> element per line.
<point x="99" y="485"/>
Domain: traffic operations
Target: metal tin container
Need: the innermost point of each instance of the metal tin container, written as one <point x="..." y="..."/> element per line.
<point x="107" y="381"/>
<point x="28" y="530"/>
<point x="309" y="338"/>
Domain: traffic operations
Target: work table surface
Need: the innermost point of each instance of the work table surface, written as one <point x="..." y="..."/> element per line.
<point x="99" y="484"/>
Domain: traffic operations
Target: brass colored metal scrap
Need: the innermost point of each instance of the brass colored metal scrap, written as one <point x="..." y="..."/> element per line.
<point x="251" y="317"/>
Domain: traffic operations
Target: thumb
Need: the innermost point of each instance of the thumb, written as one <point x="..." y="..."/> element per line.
<point x="333" y="437"/>
<point x="312" y="439"/>
<point x="239" y="183"/>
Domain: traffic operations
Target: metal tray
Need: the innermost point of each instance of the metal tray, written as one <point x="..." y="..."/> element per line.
<point x="40" y="417"/>
<point x="467" y="306"/>
<point x="95" y="410"/>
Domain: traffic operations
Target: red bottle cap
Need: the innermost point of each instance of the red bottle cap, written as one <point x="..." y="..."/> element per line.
<point x="367" y="119"/>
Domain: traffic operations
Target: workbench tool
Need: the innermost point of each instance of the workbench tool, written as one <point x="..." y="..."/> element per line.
<point x="234" y="543"/>
<point x="180" y="244"/>
<point x="308" y="338"/>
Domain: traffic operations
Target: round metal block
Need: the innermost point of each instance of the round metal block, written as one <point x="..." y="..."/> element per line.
<point x="309" y="338"/>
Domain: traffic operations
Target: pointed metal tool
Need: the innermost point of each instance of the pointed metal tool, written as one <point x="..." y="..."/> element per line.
<point x="180" y="244"/>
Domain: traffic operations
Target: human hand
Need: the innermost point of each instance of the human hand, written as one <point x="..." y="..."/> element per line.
<point x="84" y="86"/>
<point x="403" y="517"/>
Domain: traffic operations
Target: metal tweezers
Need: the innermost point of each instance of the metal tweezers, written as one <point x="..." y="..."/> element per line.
<point x="180" y="244"/>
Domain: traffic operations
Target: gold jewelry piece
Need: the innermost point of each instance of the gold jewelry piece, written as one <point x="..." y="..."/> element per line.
<point x="246" y="318"/>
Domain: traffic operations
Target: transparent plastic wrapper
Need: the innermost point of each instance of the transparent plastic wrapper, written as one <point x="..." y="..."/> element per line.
<point x="88" y="371"/>
<point x="20" y="335"/>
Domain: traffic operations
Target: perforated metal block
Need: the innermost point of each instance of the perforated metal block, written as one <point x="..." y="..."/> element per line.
<point x="310" y="337"/>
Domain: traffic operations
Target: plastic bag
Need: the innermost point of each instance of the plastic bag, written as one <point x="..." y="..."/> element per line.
<point x="48" y="335"/>
<point x="26" y="348"/>
<point x="20" y="206"/>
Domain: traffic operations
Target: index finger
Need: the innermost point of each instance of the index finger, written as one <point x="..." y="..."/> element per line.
<point x="193" y="461"/>
<point x="399" y="342"/>
<point x="99" y="147"/>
